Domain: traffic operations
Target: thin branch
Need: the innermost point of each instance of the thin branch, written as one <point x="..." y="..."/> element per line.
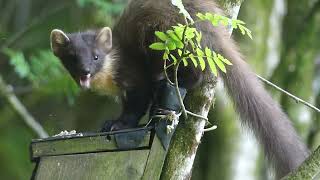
<point x="165" y="67"/>
<point x="170" y="65"/>
<point x="210" y="129"/>
<point x="297" y="99"/>
<point x="16" y="104"/>
<point x="196" y="115"/>
<point x="184" y="112"/>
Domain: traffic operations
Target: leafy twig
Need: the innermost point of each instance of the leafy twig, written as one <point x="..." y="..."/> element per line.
<point x="16" y="104"/>
<point x="184" y="111"/>
<point x="182" y="38"/>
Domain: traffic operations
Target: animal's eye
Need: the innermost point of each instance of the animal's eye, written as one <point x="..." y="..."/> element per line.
<point x="96" y="57"/>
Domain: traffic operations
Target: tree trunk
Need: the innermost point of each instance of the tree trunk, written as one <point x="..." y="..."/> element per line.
<point x="309" y="169"/>
<point x="185" y="142"/>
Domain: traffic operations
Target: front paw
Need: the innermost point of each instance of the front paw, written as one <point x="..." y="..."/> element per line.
<point x="114" y="125"/>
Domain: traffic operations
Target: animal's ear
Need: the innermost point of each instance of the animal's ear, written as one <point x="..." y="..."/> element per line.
<point x="58" y="40"/>
<point x="104" y="39"/>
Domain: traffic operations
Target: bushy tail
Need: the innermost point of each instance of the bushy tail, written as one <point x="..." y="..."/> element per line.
<point x="262" y="114"/>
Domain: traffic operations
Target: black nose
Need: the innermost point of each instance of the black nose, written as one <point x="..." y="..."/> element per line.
<point x="86" y="71"/>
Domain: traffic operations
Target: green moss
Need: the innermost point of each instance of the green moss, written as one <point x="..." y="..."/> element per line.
<point x="308" y="170"/>
<point x="184" y="143"/>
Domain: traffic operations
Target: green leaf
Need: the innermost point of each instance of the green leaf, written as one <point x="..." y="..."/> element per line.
<point x="199" y="52"/>
<point x="201" y="16"/>
<point x="224" y="20"/>
<point x="192" y="44"/>
<point x="219" y="63"/>
<point x="190" y="35"/>
<point x="248" y="32"/>
<point x="175" y="39"/>
<point x="198" y="38"/>
<point x="212" y="66"/>
<point x="179" y="31"/>
<point x="208" y="52"/>
<point x="214" y="19"/>
<point x="194" y="61"/>
<point x="250" y="35"/>
<point x="174" y="59"/>
<point x="226" y="61"/>
<point x="234" y="24"/>
<point x="161" y="35"/>
<point x="171" y="45"/>
<point x="158" y="46"/>
<point x="179" y="44"/>
<point x="179" y="52"/>
<point x="200" y="55"/>
<point x="165" y="55"/>
<point x="202" y="63"/>
<point x="185" y="62"/>
<point x="243" y="32"/>
<point x="172" y="35"/>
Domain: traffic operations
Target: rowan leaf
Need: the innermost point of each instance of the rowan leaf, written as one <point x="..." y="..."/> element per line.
<point x="174" y="59"/>
<point x="200" y="58"/>
<point x="193" y="59"/>
<point x="212" y="66"/>
<point x="161" y="35"/>
<point x="219" y="63"/>
<point x="158" y="46"/>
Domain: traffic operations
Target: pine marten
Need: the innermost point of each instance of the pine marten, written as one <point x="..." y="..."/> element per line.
<point x="119" y="62"/>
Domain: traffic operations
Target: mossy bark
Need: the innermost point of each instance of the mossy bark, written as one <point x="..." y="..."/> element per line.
<point x="310" y="169"/>
<point x="185" y="142"/>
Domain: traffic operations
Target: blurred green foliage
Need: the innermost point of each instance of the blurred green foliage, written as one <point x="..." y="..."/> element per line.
<point x="38" y="77"/>
<point x="43" y="71"/>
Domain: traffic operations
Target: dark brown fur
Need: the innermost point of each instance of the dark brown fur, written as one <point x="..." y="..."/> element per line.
<point x="255" y="106"/>
<point x="138" y="69"/>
